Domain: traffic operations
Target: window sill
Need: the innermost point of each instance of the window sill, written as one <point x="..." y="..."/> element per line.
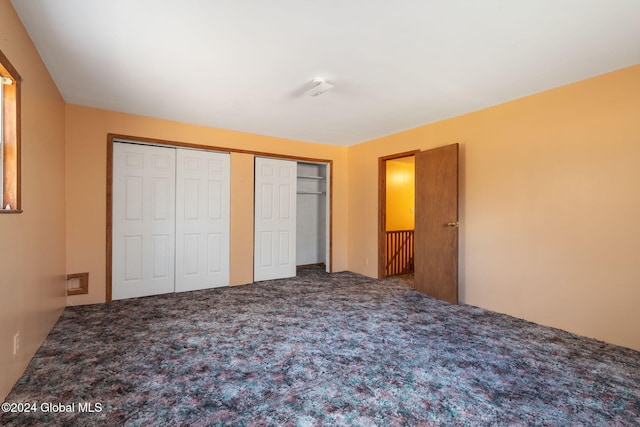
<point x="10" y="211"/>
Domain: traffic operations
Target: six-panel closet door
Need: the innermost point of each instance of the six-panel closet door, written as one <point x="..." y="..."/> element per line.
<point x="202" y="220"/>
<point x="143" y="242"/>
<point x="170" y="220"/>
<point x="275" y="219"/>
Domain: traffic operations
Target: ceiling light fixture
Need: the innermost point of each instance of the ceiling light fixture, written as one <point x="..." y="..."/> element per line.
<point x="320" y="86"/>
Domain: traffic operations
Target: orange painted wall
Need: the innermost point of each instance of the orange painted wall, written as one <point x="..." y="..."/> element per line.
<point x="86" y="161"/>
<point x="401" y="179"/>
<point x="549" y="205"/>
<point x="32" y="248"/>
<point x="241" y="227"/>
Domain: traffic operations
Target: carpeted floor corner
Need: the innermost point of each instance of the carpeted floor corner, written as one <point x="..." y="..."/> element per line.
<point x="319" y="349"/>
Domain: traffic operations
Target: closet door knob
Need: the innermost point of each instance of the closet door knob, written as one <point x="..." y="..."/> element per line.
<point x="453" y="224"/>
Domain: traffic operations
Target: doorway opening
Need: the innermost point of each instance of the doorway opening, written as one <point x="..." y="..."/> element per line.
<point x="435" y="234"/>
<point x="397" y="215"/>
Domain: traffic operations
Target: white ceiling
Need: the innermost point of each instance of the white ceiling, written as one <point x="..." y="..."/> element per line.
<point x="244" y="64"/>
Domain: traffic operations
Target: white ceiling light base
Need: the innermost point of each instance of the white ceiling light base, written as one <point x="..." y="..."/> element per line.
<point x="320" y="86"/>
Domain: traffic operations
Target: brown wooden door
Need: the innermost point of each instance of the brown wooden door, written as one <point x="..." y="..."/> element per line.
<point x="436" y="226"/>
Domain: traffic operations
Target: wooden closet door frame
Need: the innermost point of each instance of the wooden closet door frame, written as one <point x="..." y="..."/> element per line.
<point x="111" y="137"/>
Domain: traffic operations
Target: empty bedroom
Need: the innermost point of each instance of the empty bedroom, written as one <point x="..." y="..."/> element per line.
<point x="294" y="213"/>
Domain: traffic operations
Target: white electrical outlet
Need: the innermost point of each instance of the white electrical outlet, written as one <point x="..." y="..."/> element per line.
<point x="366" y="261"/>
<point x="16" y="343"/>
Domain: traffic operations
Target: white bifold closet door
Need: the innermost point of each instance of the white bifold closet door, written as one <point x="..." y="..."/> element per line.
<point x="170" y="220"/>
<point x="143" y="243"/>
<point x="202" y="220"/>
<point x="275" y="219"/>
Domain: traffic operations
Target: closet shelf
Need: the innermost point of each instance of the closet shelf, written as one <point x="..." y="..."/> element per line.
<point x="311" y="177"/>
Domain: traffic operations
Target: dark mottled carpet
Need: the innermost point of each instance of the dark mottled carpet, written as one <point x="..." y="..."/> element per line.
<point x="319" y="349"/>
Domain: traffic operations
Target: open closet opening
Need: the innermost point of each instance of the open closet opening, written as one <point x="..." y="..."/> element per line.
<point x="311" y="214"/>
